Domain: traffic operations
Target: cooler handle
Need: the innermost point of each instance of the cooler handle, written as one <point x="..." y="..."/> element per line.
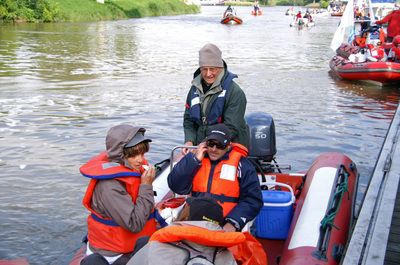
<point x="280" y="184"/>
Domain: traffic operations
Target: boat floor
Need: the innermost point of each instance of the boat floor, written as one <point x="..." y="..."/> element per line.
<point x="273" y="248"/>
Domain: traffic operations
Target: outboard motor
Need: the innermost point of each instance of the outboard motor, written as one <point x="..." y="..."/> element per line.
<point x="262" y="140"/>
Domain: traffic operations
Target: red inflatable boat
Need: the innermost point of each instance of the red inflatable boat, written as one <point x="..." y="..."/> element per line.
<point x="231" y="19"/>
<point x="256" y="13"/>
<point x="383" y="72"/>
<point x="307" y="216"/>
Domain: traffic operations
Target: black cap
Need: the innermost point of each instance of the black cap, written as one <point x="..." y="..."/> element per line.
<point x="205" y="208"/>
<point x="138" y="138"/>
<point x="221" y="133"/>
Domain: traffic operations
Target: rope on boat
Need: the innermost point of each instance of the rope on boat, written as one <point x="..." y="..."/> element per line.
<point x="327" y="221"/>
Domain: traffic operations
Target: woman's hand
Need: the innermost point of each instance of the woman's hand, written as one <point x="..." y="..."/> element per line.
<point x="148" y="175"/>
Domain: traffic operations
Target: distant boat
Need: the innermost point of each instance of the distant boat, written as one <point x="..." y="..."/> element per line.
<point x="337" y="14"/>
<point x="302" y="22"/>
<point x="350" y="62"/>
<point x="290" y="12"/>
<point x="258" y="13"/>
<point x="230" y="18"/>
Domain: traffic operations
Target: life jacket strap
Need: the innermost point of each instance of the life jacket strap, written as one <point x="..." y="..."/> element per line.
<point x="153" y="214"/>
<point x="221" y="198"/>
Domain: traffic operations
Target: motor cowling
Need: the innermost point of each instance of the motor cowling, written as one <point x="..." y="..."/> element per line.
<point x="261" y="137"/>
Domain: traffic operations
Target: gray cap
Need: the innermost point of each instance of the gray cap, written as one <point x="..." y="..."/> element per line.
<point x="137" y="138"/>
<point x="210" y="55"/>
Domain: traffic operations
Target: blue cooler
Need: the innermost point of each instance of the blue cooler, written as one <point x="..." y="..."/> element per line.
<point x="274" y="220"/>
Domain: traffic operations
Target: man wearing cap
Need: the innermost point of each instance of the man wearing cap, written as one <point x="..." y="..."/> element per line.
<point x="119" y="196"/>
<point x="220" y="169"/>
<point x="214" y="98"/>
<point x="197" y="237"/>
<point x="393" y="20"/>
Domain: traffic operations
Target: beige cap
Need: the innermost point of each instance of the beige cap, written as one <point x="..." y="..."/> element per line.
<point x="210" y="55"/>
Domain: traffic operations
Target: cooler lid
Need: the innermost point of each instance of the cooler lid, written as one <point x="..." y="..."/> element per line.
<point x="276" y="196"/>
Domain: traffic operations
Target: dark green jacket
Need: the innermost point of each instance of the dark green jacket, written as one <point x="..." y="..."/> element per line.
<point x="233" y="112"/>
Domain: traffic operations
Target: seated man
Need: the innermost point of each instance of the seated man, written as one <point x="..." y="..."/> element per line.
<point x="394" y="53"/>
<point x="308" y="16"/>
<point x="360" y="40"/>
<point x="196" y="236"/>
<point x="298" y="15"/>
<point x="376" y="53"/>
<point x="220" y="169"/>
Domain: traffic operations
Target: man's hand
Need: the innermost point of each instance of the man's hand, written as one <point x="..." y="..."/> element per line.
<point x="228" y="227"/>
<point x="187" y="150"/>
<point x="148" y="175"/>
<point x="201" y="151"/>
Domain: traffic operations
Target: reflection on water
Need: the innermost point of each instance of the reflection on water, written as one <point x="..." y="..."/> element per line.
<point x="63" y="85"/>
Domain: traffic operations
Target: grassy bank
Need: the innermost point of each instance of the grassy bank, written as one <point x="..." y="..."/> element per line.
<point x="89" y="10"/>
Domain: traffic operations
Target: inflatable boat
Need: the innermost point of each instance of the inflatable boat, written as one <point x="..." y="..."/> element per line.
<point x="231" y="19"/>
<point x="383" y="72"/>
<point x="302" y="22"/>
<point x="307" y="216"/>
<point x="256" y="13"/>
<point x="350" y="61"/>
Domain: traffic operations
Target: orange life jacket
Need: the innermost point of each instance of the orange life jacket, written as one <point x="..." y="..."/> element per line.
<point x="382" y="35"/>
<point x="360" y="41"/>
<point x="222" y="182"/>
<point x="199" y="235"/>
<point x="103" y="232"/>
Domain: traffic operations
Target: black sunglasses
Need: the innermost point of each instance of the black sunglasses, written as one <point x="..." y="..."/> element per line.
<point x="211" y="144"/>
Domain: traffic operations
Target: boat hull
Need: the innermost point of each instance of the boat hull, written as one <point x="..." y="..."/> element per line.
<point x="306" y="243"/>
<point x="337" y="14"/>
<point x="383" y="72"/>
<point x="302" y="22"/>
<point x="231" y="20"/>
<point x="274" y="248"/>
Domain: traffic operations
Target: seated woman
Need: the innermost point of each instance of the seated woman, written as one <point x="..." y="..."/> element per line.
<point x="376" y="53"/>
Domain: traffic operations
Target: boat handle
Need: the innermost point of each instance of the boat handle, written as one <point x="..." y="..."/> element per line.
<point x="179" y="147"/>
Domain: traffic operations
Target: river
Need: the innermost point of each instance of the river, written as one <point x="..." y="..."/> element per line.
<point x="63" y="85"/>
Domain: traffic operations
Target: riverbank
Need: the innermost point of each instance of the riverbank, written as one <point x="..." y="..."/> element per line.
<point x="90" y="10"/>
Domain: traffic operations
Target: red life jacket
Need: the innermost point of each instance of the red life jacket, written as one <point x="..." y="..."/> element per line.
<point x="376" y="53"/>
<point x="222" y="183"/>
<point x="395" y="53"/>
<point x="103" y="232"/>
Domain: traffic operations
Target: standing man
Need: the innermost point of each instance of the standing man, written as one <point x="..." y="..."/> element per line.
<point x="393" y="20"/>
<point x="220" y="169"/>
<point x="214" y="98"/>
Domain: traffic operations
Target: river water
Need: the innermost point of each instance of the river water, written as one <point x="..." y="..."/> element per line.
<point x="63" y="85"/>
